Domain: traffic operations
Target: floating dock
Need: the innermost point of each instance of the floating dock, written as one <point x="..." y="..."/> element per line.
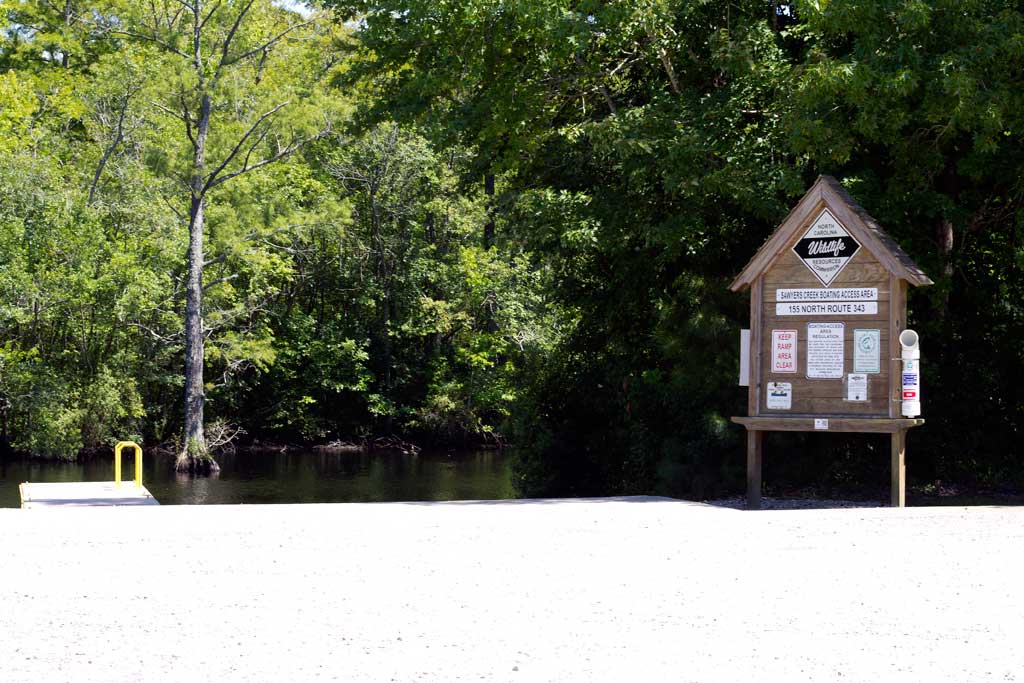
<point x="91" y="493"/>
<point x="84" y="494"/>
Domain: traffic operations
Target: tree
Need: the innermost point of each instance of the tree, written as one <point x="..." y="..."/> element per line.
<point x="233" y="82"/>
<point x="918" y="108"/>
<point x="651" y="145"/>
<point x="642" y="149"/>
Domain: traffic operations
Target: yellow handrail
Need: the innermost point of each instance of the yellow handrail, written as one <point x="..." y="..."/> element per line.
<point x="117" y="462"/>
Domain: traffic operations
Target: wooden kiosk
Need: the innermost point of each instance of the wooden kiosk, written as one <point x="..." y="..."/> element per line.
<point x="828" y="301"/>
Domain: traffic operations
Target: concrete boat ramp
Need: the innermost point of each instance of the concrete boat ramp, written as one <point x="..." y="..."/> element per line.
<point x="632" y="589"/>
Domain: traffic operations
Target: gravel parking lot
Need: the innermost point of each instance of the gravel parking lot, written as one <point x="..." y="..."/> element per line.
<point x="629" y="589"/>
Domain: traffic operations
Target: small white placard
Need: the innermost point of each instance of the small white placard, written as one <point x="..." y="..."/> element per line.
<point x="825" y="350"/>
<point x="784" y="351"/>
<point x="837" y="294"/>
<point x="835" y="308"/>
<point x="780" y="396"/>
<point x="744" y="358"/>
<point x="820" y="423"/>
<point x="856" y="387"/>
<point x="867" y="349"/>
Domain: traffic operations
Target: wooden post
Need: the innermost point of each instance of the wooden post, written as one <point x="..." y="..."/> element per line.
<point x="898" y="495"/>
<point x="755" y="447"/>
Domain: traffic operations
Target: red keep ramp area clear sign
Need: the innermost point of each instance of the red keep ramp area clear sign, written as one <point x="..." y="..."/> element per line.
<point x="784" y="345"/>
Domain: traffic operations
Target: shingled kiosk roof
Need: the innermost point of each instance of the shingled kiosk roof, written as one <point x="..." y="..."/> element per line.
<point x="827" y="192"/>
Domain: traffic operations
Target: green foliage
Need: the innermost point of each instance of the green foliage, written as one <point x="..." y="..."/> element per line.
<point x="527" y="230"/>
<point x="917" y="107"/>
<point x="650" y="147"/>
<point x="394" y="320"/>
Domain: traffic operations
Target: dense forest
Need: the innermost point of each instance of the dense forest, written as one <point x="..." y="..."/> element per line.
<point x="492" y="222"/>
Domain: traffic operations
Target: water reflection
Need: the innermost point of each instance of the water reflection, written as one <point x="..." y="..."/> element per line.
<point x="294" y="477"/>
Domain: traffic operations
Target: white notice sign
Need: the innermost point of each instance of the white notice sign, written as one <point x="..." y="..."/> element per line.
<point x="780" y="396"/>
<point x="837" y="294"/>
<point x="784" y="351"/>
<point x="856" y="387"/>
<point x="867" y="351"/>
<point x="836" y="308"/>
<point x="825" y="350"/>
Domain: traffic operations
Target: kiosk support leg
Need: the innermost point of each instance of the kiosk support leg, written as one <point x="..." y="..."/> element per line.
<point x="898" y="497"/>
<point x="755" y="447"/>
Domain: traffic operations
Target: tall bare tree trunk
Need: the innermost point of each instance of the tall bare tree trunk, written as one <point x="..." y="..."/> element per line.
<point x="194" y="447"/>
<point x="194" y="455"/>
<point x="389" y="419"/>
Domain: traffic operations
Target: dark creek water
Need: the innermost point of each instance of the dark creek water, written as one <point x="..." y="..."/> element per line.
<point x="294" y="477"/>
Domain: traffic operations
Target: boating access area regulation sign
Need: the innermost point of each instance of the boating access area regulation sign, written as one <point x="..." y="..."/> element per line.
<point x="826" y="247"/>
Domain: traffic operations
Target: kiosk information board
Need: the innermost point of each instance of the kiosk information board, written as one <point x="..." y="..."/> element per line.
<point x="827" y="304"/>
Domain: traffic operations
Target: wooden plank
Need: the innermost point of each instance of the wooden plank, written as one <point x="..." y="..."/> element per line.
<point x="788" y="322"/>
<point x="84" y="494"/>
<point x="805" y="423"/>
<point x="756" y="360"/>
<point x="755" y="451"/>
<point x="878" y="387"/>
<point x="898" y="488"/>
<point x="852" y="322"/>
<point x="858" y="273"/>
<point x="860" y="270"/>
<point x="831" y="406"/>
<point x="801" y="404"/>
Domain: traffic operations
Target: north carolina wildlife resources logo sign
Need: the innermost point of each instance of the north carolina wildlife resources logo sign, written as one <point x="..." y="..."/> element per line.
<point x="826" y="248"/>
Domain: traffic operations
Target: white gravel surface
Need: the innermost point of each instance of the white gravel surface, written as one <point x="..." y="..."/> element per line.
<point x="565" y="591"/>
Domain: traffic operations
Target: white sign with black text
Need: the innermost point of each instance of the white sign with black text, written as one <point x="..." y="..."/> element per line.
<point x="837" y="294"/>
<point x="825" y="350"/>
<point x="856" y="387"/>
<point x="836" y="308"/>
<point x="780" y="396"/>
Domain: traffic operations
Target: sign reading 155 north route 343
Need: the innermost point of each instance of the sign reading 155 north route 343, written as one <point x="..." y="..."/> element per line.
<point x="826" y="248"/>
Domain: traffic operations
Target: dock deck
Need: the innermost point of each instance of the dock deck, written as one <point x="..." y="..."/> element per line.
<point x="84" y="494"/>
